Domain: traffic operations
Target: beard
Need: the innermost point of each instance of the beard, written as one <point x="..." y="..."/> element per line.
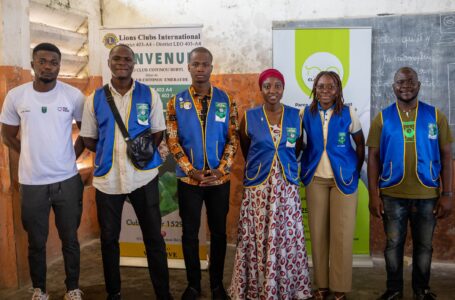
<point x="46" y="80"/>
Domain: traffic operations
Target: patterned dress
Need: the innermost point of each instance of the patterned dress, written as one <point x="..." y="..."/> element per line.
<point x="271" y="260"/>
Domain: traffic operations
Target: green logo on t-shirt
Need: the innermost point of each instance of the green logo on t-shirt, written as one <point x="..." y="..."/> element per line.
<point x="408" y="131"/>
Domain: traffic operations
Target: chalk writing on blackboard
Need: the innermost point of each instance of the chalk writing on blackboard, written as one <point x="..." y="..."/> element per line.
<point x="447" y="28"/>
<point x="451" y="87"/>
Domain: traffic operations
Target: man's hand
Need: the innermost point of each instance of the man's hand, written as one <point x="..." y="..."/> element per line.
<point x="376" y="206"/>
<point x="196" y="175"/>
<point x="211" y="176"/>
<point x="443" y="207"/>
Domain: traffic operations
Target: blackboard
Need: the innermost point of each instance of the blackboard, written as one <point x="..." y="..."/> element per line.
<point x="423" y="42"/>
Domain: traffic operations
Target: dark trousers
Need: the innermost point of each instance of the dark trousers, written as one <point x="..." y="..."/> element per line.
<point x="419" y="213"/>
<point x="145" y="201"/>
<point x="65" y="198"/>
<point x="216" y="199"/>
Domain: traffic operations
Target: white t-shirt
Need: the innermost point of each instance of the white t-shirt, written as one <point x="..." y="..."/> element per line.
<point x="45" y="119"/>
<point x="123" y="178"/>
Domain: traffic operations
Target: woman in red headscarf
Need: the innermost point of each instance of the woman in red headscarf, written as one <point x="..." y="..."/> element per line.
<point x="271" y="260"/>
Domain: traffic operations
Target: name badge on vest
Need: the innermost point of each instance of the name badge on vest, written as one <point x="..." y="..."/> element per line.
<point x="341" y="139"/>
<point x="291" y="137"/>
<point x="432" y="131"/>
<point x="220" y="114"/>
<point x="142" y="112"/>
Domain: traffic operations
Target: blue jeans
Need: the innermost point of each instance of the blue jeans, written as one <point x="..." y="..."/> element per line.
<point x="419" y="213"/>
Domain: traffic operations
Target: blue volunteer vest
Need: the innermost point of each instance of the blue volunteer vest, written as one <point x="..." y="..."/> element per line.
<point x="342" y="155"/>
<point x="200" y="143"/>
<point x="262" y="150"/>
<point x="392" y="147"/>
<point x="141" y="102"/>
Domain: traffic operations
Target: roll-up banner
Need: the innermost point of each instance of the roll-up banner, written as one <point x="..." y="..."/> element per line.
<point x="300" y="54"/>
<point x="161" y="59"/>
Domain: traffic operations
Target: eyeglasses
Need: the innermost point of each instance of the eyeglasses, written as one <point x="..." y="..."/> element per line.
<point x="329" y="87"/>
<point x="410" y="82"/>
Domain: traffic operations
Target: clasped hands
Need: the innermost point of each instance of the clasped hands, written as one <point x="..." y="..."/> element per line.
<point x="206" y="177"/>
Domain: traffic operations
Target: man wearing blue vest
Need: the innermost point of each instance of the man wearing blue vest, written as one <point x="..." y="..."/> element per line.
<point x="116" y="178"/>
<point x="202" y="137"/>
<point x="410" y="180"/>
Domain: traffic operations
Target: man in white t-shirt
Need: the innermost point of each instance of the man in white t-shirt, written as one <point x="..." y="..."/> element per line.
<point x="116" y="178"/>
<point x="43" y="111"/>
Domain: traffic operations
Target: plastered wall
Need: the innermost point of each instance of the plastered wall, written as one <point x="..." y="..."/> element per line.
<point x="239" y="32"/>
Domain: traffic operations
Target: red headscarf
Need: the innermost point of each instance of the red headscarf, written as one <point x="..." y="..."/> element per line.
<point x="270" y="73"/>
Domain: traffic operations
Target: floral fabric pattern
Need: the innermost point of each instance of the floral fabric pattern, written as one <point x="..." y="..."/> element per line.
<point x="271" y="260"/>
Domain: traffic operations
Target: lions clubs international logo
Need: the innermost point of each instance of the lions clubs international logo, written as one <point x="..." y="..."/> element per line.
<point x="110" y="40"/>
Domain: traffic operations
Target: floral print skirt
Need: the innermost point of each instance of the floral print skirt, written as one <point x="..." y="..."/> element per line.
<point x="271" y="260"/>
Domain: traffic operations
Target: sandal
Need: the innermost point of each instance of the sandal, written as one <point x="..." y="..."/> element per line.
<point x="340" y="297"/>
<point x="321" y="294"/>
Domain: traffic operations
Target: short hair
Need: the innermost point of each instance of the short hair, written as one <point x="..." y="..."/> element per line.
<point x="47" y="47"/>
<point x="201" y="50"/>
<point x="121" y="45"/>
<point x="407" y="70"/>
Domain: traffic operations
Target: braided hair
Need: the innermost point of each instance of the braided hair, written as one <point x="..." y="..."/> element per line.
<point x="339" y="100"/>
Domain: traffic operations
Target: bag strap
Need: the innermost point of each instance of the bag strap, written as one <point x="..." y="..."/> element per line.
<point x="118" y="119"/>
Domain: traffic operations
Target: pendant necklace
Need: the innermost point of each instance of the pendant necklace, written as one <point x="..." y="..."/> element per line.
<point x="407" y="112"/>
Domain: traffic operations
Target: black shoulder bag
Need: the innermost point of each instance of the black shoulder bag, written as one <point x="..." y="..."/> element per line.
<point x="140" y="150"/>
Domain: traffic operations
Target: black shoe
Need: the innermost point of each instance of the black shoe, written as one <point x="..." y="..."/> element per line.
<point x="190" y="293"/>
<point x="219" y="293"/>
<point x="426" y="295"/>
<point x="167" y="297"/>
<point x="391" y="295"/>
<point x="114" y="297"/>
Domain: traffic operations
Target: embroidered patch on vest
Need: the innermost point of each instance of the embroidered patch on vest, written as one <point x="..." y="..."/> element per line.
<point x="291" y="136"/>
<point x="44" y="109"/>
<point x="432" y="131"/>
<point x="220" y="113"/>
<point x="142" y="112"/>
<point x="187" y="105"/>
<point x="341" y="139"/>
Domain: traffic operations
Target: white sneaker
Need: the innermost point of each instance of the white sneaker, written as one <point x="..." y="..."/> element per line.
<point x="73" y="295"/>
<point x="39" y="295"/>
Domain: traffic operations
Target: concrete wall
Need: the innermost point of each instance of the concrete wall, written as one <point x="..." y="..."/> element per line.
<point x="15" y="35"/>
<point x="63" y="14"/>
<point x="239" y="32"/>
